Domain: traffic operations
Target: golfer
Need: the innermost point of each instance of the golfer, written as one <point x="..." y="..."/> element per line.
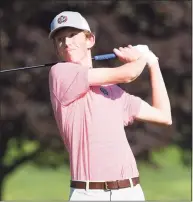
<point x="91" y="111"/>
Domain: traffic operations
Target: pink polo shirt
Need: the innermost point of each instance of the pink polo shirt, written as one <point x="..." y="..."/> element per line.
<point x="91" y="121"/>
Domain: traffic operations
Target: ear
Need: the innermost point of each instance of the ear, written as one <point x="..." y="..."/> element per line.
<point x="55" y="47"/>
<point x="91" y="41"/>
<point x="56" y="50"/>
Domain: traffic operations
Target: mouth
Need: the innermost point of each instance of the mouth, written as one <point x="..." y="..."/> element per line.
<point x="69" y="49"/>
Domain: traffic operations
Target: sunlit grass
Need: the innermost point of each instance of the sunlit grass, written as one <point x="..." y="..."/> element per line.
<point x="170" y="182"/>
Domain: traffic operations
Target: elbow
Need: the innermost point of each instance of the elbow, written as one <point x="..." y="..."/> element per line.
<point x="168" y="121"/>
<point x="166" y="118"/>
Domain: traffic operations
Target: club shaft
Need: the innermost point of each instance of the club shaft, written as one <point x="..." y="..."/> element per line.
<point x="97" y="57"/>
<point x="25" y="68"/>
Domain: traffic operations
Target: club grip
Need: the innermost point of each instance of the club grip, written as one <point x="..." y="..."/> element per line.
<point x="105" y="56"/>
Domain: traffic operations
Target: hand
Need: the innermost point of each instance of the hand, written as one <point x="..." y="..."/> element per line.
<point x="128" y="54"/>
<point x="150" y="56"/>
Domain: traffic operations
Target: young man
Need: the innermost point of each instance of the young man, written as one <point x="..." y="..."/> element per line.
<point x="91" y="111"/>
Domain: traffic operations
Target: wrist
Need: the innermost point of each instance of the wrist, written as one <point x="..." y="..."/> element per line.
<point x="153" y="65"/>
<point x="152" y="60"/>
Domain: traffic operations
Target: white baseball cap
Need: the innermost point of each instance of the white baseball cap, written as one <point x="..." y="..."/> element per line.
<point x="68" y="19"/>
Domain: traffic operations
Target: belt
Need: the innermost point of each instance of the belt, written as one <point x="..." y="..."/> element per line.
<point x="118" y="184"/>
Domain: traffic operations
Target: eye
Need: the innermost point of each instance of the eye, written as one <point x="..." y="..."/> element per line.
<point x="72" y="34"/>
<point x="61" y="39"/>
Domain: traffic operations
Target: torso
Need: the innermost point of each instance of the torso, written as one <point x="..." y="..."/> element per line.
<point x="93" y="132"/>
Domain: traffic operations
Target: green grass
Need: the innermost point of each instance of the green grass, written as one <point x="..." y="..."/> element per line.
<point x="30" y="183"/>
<point x="171" y="182"/>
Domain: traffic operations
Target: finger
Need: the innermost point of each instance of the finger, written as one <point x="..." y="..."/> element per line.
<point x="130" y="46"/>
<point x="126" y="49"/>
<point x="121" y="48"/>
<point x="118" y="52"/>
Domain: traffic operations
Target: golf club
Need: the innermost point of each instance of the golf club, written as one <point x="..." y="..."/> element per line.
<point x="97" y="57"/>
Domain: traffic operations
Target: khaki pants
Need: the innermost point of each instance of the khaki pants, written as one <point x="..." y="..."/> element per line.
<point x="126" y="194"/>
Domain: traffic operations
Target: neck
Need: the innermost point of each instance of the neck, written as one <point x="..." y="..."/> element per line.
<point x="86" y="61"/>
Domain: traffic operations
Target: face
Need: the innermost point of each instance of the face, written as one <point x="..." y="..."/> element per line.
<point x="72" y="45"/>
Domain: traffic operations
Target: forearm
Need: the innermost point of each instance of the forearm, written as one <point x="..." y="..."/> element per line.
<point x="122" y="74"/>
<point x="160" y="99"/>
<point x="130" y="71"/>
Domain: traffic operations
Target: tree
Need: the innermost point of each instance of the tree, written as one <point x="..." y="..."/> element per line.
<point x="28" y="129"/>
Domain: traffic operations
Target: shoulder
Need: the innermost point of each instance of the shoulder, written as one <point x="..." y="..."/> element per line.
<point x="63" y="66"/>
<point x="63" y="71"/>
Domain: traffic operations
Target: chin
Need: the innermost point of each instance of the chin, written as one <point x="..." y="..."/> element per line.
<point x="74" y="61"/>
<point x="69" y="59"/>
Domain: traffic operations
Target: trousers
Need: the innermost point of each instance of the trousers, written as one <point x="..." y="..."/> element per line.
<point x="126" y="194"/>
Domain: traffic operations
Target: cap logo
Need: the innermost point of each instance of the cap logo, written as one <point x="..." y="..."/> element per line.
<point x="62" y="19"/>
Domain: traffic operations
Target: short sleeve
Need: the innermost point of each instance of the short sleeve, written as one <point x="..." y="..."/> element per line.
<point x="68" y="82"/>
<point x="130" y="105"/>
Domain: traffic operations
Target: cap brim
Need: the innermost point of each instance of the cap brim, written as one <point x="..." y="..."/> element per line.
<point x="57" y="29"/>
<point x="54" y="31"/>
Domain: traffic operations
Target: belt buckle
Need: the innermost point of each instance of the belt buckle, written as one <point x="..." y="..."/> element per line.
<point x="106" y="187"/>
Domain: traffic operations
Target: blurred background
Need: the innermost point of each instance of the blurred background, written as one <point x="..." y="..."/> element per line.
<point x="33" y="161"/>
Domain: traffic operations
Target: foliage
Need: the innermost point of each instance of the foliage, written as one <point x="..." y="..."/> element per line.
<point x="26" y="113"/>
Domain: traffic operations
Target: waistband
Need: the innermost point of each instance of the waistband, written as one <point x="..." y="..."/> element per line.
<point x="108" y="185"/>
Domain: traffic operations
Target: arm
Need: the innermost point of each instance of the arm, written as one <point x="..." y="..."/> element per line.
<point x="134" y="62"/>
<point x="160" y="111"/>
<point x="122" y="74"/>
